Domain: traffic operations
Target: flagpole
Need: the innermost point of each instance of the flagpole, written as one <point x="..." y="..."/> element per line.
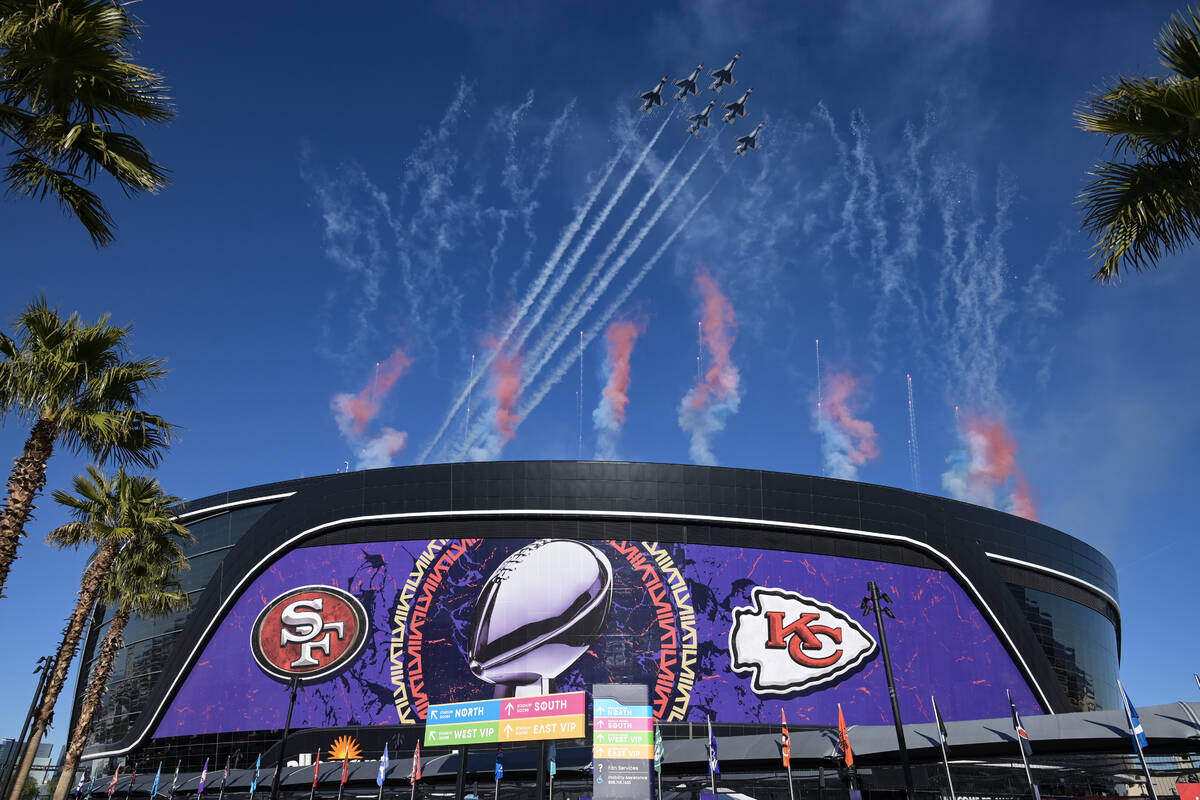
<point x="791" y="789"/>
<point x="712" y="776"/>
<point x="1137" y="743"/>
<point x="945" y="757"/>
<point x="312" y="793"/>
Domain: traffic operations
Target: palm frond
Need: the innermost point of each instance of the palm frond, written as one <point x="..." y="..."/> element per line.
<point x="1179" y="44"/>
<point x="1141" y="212"/>
<point x="32" y="176"/>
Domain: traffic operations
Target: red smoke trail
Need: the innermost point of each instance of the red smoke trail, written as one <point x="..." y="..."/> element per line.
<point x="620" y="338"/>
<point x="860" y="438"/>
<point x="357" y="410"/>
<point x="506" y="388"/>
<point x="990" y="462"/>
<point x="719" y="332"/>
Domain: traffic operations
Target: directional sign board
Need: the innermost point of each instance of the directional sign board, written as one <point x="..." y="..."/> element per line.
<point x="622" y="741"/>
<point x="507" y="719"/>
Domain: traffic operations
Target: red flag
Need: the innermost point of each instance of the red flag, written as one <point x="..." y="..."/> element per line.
<point x="112" y="785"/>
<point x="316" y="769"/>
<point x="785" y="743"/>
<point x="415" y="775"/>
<point x="844" y="739"/>
<point x="345" y="769"/>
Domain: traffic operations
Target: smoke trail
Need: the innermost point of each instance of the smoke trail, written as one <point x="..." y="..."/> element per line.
<point x="707" y="405"/>
<point x="984" y="464"/>
<point x="579" y="305"/>
<point x="609" y="416"/>
<point x="564" y="241"/>
<point x="914" y="449"/>
<point x="505" y="388"/>
<point x="610" y="311"/>
<point x="354" y="412"/>
<point x="847" y="442"/>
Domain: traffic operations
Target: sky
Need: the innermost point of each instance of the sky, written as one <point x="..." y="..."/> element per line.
<point x="382" y="217"/>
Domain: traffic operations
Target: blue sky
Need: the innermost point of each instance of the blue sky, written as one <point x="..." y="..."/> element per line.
<point x="398" y="176"/>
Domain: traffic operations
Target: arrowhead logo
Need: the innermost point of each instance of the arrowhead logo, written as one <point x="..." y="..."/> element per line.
<point x="788" y="642"/>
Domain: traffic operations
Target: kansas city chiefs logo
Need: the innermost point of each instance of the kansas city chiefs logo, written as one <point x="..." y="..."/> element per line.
<point x="788" y="642"/>
<point x="309" y="632"/>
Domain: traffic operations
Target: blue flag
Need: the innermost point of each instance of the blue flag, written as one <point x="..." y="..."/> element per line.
<point x="714" y="766"/>
<point x="499" y="762"/>
<point x="257" y="767"/>
<point x="203" y="778"/>
<point x="1135" y="725"/>
<point x="383" y="764"/>
<point x="553" y="757"/>
<point x="79" y="787"/>
<point x="157" y="775"/>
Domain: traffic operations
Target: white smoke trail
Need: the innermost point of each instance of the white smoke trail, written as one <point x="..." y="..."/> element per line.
<point x="598" y="325"/>
<point x="549" y="269"/>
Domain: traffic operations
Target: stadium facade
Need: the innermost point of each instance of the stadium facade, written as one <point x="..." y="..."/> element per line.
<point x="732" y="594"/>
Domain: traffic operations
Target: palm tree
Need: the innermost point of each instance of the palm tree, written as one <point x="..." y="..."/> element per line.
<point x="68" y="88"/>
<point x="1145" y="203"/>
<point x="143" y="581"/>
<point x="75" y="385"/>
<point x="128" y="519"/>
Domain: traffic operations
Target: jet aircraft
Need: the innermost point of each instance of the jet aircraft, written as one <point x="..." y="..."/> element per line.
<point x="749" y="141"/>
<point x="688" y="85"/>
<point x="700" y="120"/>
<point x="737" y="108"/>
<point x="654" y="96"/>
<point x="724" y="76"/>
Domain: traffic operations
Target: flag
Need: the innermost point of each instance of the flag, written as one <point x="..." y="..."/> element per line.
<point x="844" y="739"/>
<point x="1135" y="725"/>
<point x="175" y="778"/>
<point x="658" y="749"/>
<point x="91" y="782"/>
<point x="257" y="767"/>
<point x="79" y="786"/>
<point x="112" y="785"/>
<point x="945" y="737"/>
<point x="714" y="766"/>
<point x="414" y="774"/>
<point x="316" y="769"/>
<point x="552" y="756"/>
<point x="157" y="775"/>
<point x="203" y="778"/>
<point x="383" y="765"/>
<point x="345" y="769"/>
<point x="132" y="778"/>
<point x="1022" y="734"/>
<point x="225" y="774"/>
<point x="499" y="762"/>
<point x="785" y="742"/>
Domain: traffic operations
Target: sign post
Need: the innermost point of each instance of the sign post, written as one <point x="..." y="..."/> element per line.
<point x="622" y="741"/>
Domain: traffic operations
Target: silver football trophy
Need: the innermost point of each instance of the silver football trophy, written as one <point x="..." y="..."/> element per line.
<point x="538" y="613"/>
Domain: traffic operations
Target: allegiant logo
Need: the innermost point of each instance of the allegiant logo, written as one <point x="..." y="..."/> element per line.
<point x="788" y="642"/>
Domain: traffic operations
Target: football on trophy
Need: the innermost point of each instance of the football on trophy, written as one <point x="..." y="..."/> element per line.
<point x="539" y="612"/>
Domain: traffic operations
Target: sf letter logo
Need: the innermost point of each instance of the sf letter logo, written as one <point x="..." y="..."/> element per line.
<point x="309" y="632"/>
<point x="788" y="642"/>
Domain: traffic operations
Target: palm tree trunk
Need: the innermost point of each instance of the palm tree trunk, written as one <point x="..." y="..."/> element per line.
<point x="26" y="481"/>
<point x="93" y="578"/>
<point x="91" y="701"/>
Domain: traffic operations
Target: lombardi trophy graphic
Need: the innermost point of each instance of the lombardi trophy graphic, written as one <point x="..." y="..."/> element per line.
<point x="538" y="613"/>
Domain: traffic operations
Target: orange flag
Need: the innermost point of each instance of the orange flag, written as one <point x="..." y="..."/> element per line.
<point x="844" y="739"/>
<point x="785" y="743"/>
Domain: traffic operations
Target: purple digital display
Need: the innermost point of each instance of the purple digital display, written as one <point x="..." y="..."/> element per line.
<point x="738" y="633"/>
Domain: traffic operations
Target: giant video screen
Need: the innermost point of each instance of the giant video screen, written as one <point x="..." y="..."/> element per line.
<point x="378" y="631"/>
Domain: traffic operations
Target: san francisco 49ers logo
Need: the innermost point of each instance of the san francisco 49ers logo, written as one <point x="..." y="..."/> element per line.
<point x="790" y="642"/>
<point x="309" y="632"/>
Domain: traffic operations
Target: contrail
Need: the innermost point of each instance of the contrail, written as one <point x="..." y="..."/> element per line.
<point x="585" y="287"/>
<point x="580" y="309"/>
<point x="610" y="311"/>
<point x="564" y="241"/>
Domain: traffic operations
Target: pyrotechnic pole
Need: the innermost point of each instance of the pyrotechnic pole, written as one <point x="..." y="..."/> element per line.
<point x="875" y="601"/>
<point x="579" y="405"/>
<point x="819" y="396"/>
<point x="914" y="452"/>
<point x="470" y="391"/>
<point x="699" y="352"/>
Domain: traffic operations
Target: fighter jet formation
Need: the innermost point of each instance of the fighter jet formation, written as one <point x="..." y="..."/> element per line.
<point x="687" y="86"/>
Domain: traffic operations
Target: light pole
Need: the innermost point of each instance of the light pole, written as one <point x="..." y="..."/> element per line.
<point x="874" y="601"/>
<point x="10" y="766"/>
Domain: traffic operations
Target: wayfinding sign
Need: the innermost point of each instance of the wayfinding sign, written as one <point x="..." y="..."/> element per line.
<point x="507" y="719"/>
<point x="622" y="741"/>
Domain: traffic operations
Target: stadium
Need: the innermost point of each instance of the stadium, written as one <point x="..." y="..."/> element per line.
<point x="733" y="595"/>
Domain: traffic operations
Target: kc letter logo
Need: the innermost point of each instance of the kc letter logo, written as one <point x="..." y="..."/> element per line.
<point x="789" y="642"/>
<point x="309" y="632"/>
